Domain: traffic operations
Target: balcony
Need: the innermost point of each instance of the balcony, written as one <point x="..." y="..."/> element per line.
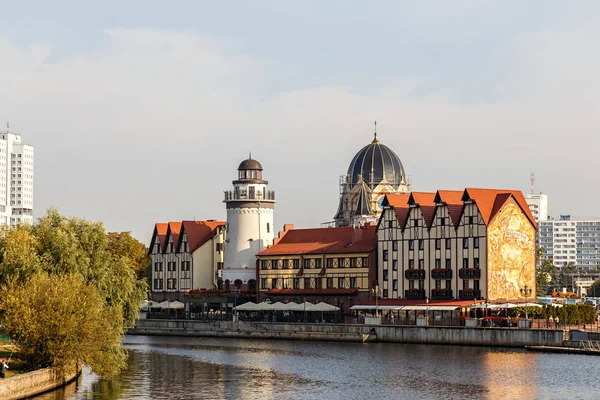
<point x="469" y="294"/>
<point x="441" y="273"/>
<point x="469" y="273"/>
<point x="414" y="294"/>
<point x="441" y="294"/>
<point x="267" y="195"/>
<point x="414" y="274"/>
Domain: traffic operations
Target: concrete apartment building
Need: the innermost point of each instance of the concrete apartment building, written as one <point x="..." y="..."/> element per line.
<point x="471" y="244"/>
<point x="16" y="179"/>
<point x="186" y="256"/>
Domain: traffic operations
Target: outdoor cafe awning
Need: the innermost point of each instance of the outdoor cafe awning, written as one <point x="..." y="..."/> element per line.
<point x="405" y="308"/>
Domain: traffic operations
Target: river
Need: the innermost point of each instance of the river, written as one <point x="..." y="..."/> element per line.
<point x="202" y="368"/>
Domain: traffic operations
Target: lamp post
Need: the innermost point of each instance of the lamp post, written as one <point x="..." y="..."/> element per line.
<point x="526" y="292"/>
<point x="236" y="293"/>
<point x="376" y="291"/>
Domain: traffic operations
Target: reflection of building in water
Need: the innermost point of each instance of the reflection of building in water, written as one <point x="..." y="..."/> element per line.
<point x="509" y="375"/>
<point x="471" y="244"/>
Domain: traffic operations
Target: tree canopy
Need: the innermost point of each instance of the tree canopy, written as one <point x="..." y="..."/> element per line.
<point x="38" y="263"/>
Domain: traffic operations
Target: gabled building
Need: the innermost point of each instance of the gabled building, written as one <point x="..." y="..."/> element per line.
<point x="186" y="256"/>
<point x="333" y="265"/>
<point x="470" y="244"/>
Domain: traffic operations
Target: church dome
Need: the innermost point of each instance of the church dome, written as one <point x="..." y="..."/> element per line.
<point x="373" y="163"/>
<point x="250" y="164"/>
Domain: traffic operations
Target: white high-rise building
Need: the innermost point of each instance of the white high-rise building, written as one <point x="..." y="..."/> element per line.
<point x="249" y="228"/>
<point x="538" y="204"/>
<point x="16" y="179"/>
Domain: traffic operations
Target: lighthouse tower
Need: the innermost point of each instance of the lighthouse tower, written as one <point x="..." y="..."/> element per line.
<point x="250" y="228"/>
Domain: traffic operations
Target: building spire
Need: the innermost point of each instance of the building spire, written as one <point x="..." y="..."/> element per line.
<point x="375" y="135"/>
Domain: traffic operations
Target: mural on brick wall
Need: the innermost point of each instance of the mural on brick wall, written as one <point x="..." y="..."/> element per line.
<point x="511" y="254"/>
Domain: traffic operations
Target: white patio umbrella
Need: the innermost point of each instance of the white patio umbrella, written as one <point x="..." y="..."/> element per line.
<point x="176" y="305"/>
<point x="264" y="306"/>
<point x="249" y="306"/>
<point x="147" y="304"/>
<point x="322" y="307"/>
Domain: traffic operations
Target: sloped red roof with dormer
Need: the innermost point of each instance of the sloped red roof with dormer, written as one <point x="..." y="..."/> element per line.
<point x="453" y="200"/>
<point x="425" y="201"/>
<point x="200" y="232"/>
<point x="486" y="199"/>
<point x="325" y="241"/>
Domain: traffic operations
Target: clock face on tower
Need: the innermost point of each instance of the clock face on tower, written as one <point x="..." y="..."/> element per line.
<point x="380" y="202"/>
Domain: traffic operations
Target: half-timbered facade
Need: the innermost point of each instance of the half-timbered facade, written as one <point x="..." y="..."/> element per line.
<point x="186" y="256"/>
<point x="334" y="265"/>
<point x="471" y="244"/>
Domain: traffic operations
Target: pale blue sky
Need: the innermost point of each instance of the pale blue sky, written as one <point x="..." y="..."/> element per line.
<point x="140" y="111"/>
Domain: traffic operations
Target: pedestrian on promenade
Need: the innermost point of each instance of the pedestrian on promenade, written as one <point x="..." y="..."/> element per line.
<point x="3" y="368"/>
<point x="551" y="322"/>
<point x="392" y="319"/>
<point x="557" y="322"/>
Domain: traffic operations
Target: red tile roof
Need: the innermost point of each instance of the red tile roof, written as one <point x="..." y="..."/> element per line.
<point x="325" y="241"/>
<point x="173" y="231"/>
<point x="397" y="200"/>
<point x="160" y="230"/>
<point x="200" y="232"/>
<point x="486" y="199"/>
<point x="453" y="200"/>
<point x="426" y="203"/>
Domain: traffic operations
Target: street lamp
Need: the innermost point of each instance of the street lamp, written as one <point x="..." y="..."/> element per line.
<point x="236" y="293"/>
<point x="376" y="291"/>
<point x="526" y="292"/>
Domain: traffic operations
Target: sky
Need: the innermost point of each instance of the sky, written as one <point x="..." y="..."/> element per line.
<point x="141" y="111"/>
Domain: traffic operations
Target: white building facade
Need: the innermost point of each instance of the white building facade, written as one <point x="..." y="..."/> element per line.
<point x="571" y="241"/>
<point x="538" y="204"/>
<point x="249" y="230"/>
<point x="16" y="179"/>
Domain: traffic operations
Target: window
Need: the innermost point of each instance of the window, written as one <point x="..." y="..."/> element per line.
<point x="295" y="263"/>
<point x="264" y="264"/>
<point x="411" y="264"/>
<point x="390" y="224"/>
<point x="171" y="266"/>
<point x="385" y="293"/>
<point x="421" y="264"/>
<point x="385" y="274"/>
<point x="476" y="262"/>
<point x="438" y="263"/>
<point x="330" y="263"/>
<point x="416" y="223"/>
<point x="318" y="263"/>
<point x="274" y="283"/>
<point x="306" y="263"/>
<point x="353" y="283"/>
<point x="438" y="284"/>
<point x="476" y="285"/>
<point x="448" y="243"/>
<point x="421" y="244"/>
<point x="411" y="244"/>
<point x="438" y="244"/>
<point x="341" y="263"/>
<point x="171" y="284"/>
<point x="465" y="263"/>
<point x="448" y="263"/>
<point x="395" y="245"/>
<point x="296" y="283"/>
<point x="307" y="284"/>
<point x="318" y="283"/>
<point x="329" y="283"/>
<point x="395" y="285"/>
<point x="219" y="247"/>
<point x="263" y="283"/>
<point x="465" y="284"/>
<point x="385" y="255"/>
<point x="365" y="261"/>
<point x="476" y="242"/>
<point x="411" y="284"/>
<point x="395" y="265"/>
<point x="341" y="283"/>
<point x="470" y="220"/>
<point x="465" y="243"/>
<point x="158" y="267"/>
<point x="158" y="284"/>
<point x="185" y="265"/>
<point x="285" y="283"/>
<point x="442" y="221"/>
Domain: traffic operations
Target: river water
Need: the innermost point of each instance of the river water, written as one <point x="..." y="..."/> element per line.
<point x="202" y="368"/>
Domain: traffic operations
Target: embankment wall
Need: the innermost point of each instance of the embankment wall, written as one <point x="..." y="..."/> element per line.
<point x="502" y="337"/>
<point x="35" y="382"/>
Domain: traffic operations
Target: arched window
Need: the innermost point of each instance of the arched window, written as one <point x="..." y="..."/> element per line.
<point x="238" y="283"/>
<point x="227" y="284"/>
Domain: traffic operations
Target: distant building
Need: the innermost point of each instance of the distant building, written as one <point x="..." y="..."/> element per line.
<point x="468" y="244"/>
<point x="538" y="204"/>
<point x="250" y="208"/>
<point x="373" y="172"/>
<point x="571" y="241"/>
<point x="332" y="265"/>
<point x="16" y="176"/>
<point x="186" y="256"/>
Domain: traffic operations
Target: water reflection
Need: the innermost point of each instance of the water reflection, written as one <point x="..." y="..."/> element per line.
<point x="196" y="368"/>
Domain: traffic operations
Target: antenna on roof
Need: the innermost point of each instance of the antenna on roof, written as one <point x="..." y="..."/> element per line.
<point x="7" y="125"/>
<point x="250" y="155"/>
<point x="532" y="180"/>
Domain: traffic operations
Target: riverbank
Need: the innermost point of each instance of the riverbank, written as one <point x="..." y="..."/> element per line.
<point x="32" y="383"/>
<point x="499" y="337"/>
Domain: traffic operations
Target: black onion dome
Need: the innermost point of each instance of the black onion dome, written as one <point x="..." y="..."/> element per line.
<point x="250" y="164"/>
<point x="378" y="160"/>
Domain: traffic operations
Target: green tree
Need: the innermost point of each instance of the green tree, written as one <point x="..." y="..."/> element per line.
<point x="594" y="290"/>
<point x="123" y="245"/>
<point x="60" y="321"/>
<point x="546" y="273"/>
<point x="79" y="249"/>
